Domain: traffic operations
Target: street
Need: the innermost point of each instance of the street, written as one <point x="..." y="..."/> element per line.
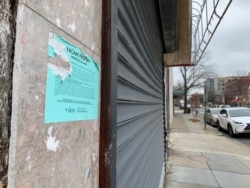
<point x="244" y="139"/>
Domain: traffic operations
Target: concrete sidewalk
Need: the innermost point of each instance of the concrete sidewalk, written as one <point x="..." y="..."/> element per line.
<point x="204" y="158"/>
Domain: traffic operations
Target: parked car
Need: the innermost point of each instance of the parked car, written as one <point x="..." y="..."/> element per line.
<point x="224" y="106"/>
<point x="234" y="120"/>
<point x="211" y="116"/>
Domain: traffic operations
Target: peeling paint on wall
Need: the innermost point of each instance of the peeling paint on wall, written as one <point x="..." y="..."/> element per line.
<point x="56" y="48"/>
<point x="59" y="71"/>
<point x="28" y="157"/>
<point x="51" y="143"/>
<point x="72" y="27"/>
<point x="58" y="22"/>
<point x="86" y="176"/>
<point x="86" y="3"/>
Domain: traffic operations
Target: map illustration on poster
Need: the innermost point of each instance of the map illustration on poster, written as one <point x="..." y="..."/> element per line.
<point x="72" y="83"/>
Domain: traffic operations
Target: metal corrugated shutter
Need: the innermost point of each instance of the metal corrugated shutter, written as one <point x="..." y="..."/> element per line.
<point x="140" y="109"/>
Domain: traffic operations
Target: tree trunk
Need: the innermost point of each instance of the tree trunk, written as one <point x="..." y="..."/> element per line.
<point x="7" y="38"/>
<point x="185" y="98"/>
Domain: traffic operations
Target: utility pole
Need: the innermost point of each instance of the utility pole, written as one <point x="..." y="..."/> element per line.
<point x="205" y="103"/>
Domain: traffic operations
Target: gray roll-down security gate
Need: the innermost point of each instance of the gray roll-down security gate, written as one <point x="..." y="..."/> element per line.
<point x="140" y="95"/>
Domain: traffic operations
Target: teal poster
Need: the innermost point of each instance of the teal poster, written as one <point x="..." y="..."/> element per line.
<point x="72" y="83"/>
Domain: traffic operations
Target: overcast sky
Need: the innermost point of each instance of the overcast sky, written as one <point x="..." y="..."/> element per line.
<point x="229" y="48"/>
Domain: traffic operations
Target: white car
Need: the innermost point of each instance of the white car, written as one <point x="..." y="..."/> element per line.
<point x="211" y="116"/>
<point x="234" y="120"/>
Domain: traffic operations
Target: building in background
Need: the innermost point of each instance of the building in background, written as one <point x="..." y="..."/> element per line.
<point x="220" y="89"/>
<point x="215" y="89"/>
<point x="237" y="91"/>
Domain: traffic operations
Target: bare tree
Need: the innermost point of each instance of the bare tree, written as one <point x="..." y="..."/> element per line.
<point x="193" y="76"/>
<point x="240" y="72"/>
<point x="179" y="85"/>
<point x="196" y="99"/>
